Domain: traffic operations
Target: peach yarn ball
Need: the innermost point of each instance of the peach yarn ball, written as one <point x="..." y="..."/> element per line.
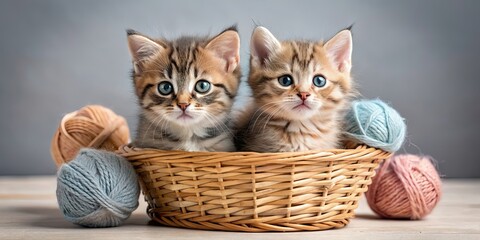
<point x="405" y="187"/>
<point x="92" y="126"/>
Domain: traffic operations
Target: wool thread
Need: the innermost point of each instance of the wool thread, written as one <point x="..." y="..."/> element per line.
<point x="92" y="126"/>
<point x="405" y="187"/>
<point x="97" y="189"/>
<point x="375" y="124"/>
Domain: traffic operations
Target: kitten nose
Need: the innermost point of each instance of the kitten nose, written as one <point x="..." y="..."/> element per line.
<point x="303" y="95"/>
<point x="183" y="106"/>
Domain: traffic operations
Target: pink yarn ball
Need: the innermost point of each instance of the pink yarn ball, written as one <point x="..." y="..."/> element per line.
<point x="405" y="187"/>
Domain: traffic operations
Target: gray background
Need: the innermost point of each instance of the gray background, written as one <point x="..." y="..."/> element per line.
<point x="420" y="56"/>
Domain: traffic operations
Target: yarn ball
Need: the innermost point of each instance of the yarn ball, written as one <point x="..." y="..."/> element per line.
<point x="97" y="189"/>
<point x="374" y="123"/>
<point x="93" y="127"/>
<point x="405" y="187"/>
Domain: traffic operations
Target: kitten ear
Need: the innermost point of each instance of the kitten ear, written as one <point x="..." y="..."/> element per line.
<point x="226" y="46"/>
<point x="339" y="49"/>
<point x="141" y="47"/>
<point x="262" y="45"/>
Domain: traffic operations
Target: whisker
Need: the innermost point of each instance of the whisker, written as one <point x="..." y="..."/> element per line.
<point x="150" y="125"/>
<point x="264" y="114"/>
<point x="224" y="127"/>
<point x="263" y="111"/>
<point x="268" y="120"/>
<point x="163" y="122"/>
<point x="212" y="121"/>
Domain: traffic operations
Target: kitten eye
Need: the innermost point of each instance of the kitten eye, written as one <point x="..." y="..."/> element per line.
<point x="285" y="80"/>
<point x="165" y="88"/>
<point x="319" y="81"/>
<point x="202" y="86"/>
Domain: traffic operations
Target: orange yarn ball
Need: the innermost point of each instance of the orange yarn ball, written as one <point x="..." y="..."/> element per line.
<point x="405" y="187"/>
<point x="92" y="126"/>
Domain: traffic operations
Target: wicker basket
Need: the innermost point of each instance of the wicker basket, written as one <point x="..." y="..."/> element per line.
<point x="254" y="192"/>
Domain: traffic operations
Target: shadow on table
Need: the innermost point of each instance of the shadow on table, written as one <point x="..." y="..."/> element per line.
<point x="45" y="217"/>
<point x="51" y="217"/>
<point x="368" y="216"/>
<point x="373" y="217"/>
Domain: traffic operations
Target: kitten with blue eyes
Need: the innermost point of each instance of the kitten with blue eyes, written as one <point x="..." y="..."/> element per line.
<point x="300" y="91"/>
<point x="185" y="90"/>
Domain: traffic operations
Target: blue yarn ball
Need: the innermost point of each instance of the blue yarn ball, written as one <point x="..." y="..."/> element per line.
<point x="375" y="124"/>
<point x="97" y="189"/>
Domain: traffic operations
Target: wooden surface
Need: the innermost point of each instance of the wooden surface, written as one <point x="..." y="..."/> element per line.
<point x="28" y="210"/>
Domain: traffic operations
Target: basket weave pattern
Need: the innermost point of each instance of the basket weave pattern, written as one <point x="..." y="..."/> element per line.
<point x="254" y="192"/>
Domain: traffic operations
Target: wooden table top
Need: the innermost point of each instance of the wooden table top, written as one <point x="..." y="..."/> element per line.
<point x="28" y="210"/>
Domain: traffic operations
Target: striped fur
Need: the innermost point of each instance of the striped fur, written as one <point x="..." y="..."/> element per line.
<point x="279" y="120"/>
<point x="205" y="124"/>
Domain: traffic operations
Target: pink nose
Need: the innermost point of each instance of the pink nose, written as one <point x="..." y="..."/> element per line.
<point x="183" y="106"/>
<point x="303" y="95"/>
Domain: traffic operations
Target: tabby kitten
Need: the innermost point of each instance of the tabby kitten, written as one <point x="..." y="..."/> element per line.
<point x="300" y="91"/>
<point x="185" y="90"/>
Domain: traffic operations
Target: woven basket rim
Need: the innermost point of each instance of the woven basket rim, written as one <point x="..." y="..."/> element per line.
<point x="308" y="157"/>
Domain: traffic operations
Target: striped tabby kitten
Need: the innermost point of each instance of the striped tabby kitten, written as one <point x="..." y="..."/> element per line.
<point x="300" y="90"/>
<point x="185" y="89"/>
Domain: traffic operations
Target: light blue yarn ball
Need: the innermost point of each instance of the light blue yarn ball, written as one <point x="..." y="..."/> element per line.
<point x="97" y="189"/>
<point x="375" y="124"/>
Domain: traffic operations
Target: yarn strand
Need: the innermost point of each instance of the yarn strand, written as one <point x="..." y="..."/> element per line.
<point x="97" y="189"/>
<point x="405" y="186"/>
<point x="376" y="124"/>
<point x="92" y="126"/>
